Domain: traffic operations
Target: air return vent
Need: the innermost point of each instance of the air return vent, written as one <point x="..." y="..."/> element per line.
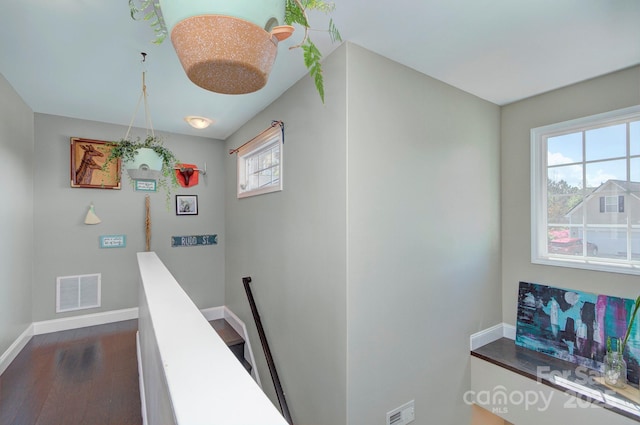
<point x="77" y="292"/>
<point x="402" y="415"/>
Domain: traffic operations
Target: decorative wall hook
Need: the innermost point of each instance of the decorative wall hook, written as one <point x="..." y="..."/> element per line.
<point x="187" y="174"/>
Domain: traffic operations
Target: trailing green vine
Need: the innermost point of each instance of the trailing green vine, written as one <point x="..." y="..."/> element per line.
<point x="296" y="13"/>
<point x="126" y="150"/>
<point x="149" y="10"/>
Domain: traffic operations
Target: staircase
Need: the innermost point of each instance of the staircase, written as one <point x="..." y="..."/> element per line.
<point x="233" y="340"/>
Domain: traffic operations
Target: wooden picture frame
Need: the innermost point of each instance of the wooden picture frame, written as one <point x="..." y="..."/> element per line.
<point x="87" y="159"/>
<point x="186" y="204"/>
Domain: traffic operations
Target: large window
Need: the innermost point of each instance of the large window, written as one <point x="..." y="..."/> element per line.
<point x="260" y="163"/>
<point x="585" y="197"/>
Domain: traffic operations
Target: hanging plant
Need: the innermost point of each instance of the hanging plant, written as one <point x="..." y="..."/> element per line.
<point x="127" y="150"/>
<point x="295" y="13"/>
<point x="615" y="367"/>
<point x="149" y="10"/>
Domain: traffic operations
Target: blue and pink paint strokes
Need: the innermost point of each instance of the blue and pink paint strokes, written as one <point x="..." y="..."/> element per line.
<point x="574" y="326"/>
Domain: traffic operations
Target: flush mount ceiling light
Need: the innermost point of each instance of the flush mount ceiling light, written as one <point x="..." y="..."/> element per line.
<point x="198" y="122"/>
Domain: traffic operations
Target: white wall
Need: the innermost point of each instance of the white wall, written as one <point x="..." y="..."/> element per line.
<point x="16" y="214"/>
<point x="423" y="237"/>
<point x="607" y="93"/>
<point x="66" y="246"/>
<point x="293" y="245"/>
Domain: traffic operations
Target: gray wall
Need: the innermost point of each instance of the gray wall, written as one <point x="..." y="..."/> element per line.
<point x="423" y="236"/>
<point x="381" y="256"/>
<point x="607" y="93"/>
<point x="371" y="268"/>
<point x="16" y="214"/>
<point x="293" y="245"/>
<point x="66" y="246"/>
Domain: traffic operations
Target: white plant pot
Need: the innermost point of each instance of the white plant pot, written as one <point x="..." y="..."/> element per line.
<point x="147" y="165"/>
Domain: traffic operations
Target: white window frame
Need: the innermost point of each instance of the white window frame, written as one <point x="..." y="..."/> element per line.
<point x="611" y="204"/>
<point x="539" y="247"/>
<point x="266" y="140"/>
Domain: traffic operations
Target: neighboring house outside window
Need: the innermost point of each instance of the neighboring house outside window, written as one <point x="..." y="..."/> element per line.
<point x="586" y="192"/>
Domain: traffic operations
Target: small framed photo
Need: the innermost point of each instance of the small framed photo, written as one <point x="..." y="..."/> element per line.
<point x="186" y="204"/>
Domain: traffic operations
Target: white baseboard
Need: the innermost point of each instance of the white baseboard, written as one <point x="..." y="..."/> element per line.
<point x="14" y="349"/>
<point x="509" y="331"/>
<point x="213" y="313"/>
<point x="486" y="336"/>
<point x="75" y="322"/>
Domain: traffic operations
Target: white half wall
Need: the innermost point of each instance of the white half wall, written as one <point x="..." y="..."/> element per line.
<point x="190" y="375"/>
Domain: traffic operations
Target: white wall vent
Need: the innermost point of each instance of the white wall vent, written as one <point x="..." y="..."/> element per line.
<point x="402" y="415"/>
<point x="77" y="292"/>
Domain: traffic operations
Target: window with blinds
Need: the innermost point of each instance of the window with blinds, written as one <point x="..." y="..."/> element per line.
<point x="260" y="164"/>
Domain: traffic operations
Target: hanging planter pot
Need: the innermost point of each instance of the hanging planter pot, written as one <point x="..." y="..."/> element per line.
<point x="230" y="46"/>
<point x="145" y="159"/>
<point x="146" y="165"/>
<point x="224" y="54"/>
<point x="225" y="46"/>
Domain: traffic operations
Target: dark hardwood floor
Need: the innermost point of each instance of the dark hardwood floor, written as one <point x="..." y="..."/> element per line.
<point x="86" y="376"/>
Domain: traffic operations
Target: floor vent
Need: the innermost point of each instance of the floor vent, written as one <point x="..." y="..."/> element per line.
<point x="77" y="292"/>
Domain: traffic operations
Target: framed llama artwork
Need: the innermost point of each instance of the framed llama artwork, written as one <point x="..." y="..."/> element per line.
<point x="87" y="160"/>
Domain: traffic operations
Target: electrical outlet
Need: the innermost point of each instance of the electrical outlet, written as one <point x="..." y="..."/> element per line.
<point x="402" y="415"/>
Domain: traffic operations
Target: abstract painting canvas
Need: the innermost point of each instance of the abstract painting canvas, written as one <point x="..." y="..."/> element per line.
<point x="574" y="325"/>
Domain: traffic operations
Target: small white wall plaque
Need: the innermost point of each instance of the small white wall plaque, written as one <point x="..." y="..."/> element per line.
<point x="113" y="241"/>
<point x="146" y="185"/>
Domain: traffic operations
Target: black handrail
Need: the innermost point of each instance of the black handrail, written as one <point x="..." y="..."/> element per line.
<point x="267" y="352"/>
